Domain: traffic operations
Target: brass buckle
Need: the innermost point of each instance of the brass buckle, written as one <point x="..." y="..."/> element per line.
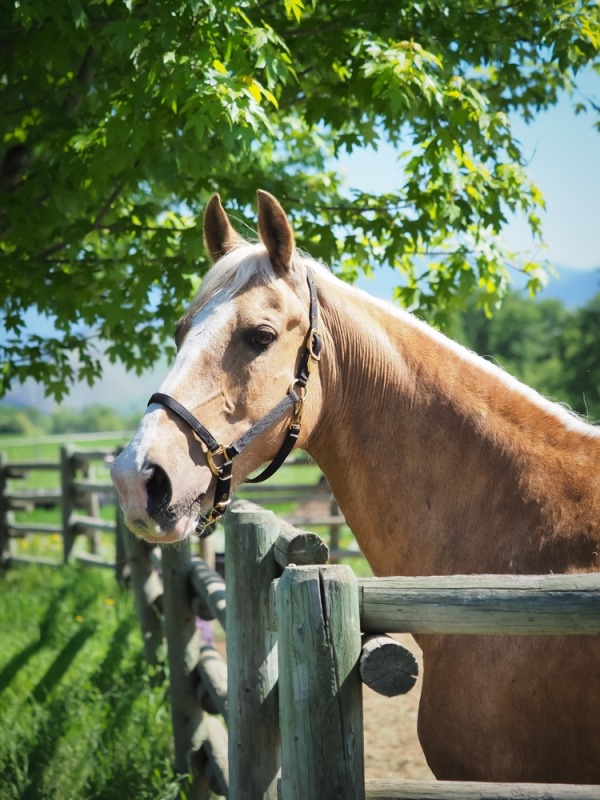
<point x="299" y="404"/>
<point x="298" y="409"/>
<point x="213" y="516"/>
<point x="312" y="334"/>
<point x="210" y="457"/>
<point x="219" y="509"/>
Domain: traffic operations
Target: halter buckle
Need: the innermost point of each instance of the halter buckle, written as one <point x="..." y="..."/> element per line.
<point x="211" y="518"/>
<point x="210" y="457"/>
<point x="313" y="345"/>
<point x="301" y="393"/>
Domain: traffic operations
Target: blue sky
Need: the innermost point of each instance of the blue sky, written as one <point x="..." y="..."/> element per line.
<point x="563" y="154"/>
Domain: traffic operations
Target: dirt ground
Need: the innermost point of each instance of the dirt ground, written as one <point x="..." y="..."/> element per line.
<point x="392" y="749"/>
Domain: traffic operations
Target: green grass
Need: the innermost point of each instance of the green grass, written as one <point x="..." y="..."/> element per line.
<point x="83" y="716"/>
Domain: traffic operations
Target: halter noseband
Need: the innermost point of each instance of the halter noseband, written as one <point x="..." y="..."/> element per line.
<point x="294" y="399"/>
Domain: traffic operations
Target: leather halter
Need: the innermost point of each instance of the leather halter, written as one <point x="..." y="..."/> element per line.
<point x="294" y="399"/>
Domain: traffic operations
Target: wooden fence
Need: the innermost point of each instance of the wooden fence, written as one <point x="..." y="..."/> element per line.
<point x="242" y="760"/>
<point x="290" y="692"/>
<point x="335" y="607"/>
<point x="79" y="496"/>
<point x="297" y="655"/>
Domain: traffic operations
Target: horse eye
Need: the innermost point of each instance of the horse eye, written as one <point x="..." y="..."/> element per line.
<point x="263" y="337"/>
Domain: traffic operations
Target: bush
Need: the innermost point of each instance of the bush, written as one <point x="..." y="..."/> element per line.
<point x="21" y="421"/>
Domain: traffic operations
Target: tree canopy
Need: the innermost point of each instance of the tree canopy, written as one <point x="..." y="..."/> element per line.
<point x="120" y="119"/>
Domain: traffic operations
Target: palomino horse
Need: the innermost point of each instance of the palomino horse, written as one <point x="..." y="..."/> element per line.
<point x="441" y="463"/>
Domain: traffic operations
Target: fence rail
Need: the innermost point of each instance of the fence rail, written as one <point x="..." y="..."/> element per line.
<point x="78" y="497"/>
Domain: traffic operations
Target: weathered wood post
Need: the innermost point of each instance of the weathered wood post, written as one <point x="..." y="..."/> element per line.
<point x="5" y="549"/>
<point x="122" y="567"/>
<point x="183" y="646"/>
<point x="320" y="701"/>
<point x="91" y="504"/>
<point x="147" y="588"/>
<point x="67" y="502"/>
<point x="252" y="716"/>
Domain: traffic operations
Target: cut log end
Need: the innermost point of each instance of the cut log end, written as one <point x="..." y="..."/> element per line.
<point x="387" y="667"/>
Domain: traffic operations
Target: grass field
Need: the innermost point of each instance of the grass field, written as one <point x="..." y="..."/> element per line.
<point x="82" y="714"/>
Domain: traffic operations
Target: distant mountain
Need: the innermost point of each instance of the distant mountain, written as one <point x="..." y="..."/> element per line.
<point x="574" y="287"/>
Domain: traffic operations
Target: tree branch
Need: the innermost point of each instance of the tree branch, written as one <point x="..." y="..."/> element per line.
<point x="97" y="223"/>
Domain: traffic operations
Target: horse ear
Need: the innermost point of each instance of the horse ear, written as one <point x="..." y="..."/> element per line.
<point x="275" y="232"/>
<point x="219" y="235"/>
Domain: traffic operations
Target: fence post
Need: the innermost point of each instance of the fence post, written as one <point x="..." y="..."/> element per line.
<point x="252" y="716"/>
<point x="183" y="648"/>
<point x="91" y="503"/>
<point x="147" y="588"/>
<point x="5" y="549"/>
<point x="67" y="501"/>
<point x="320" y="698"/>
<point x="122" y="565"/>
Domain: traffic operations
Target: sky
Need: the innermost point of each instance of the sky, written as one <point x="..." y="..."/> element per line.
<point x="563" y="156"/>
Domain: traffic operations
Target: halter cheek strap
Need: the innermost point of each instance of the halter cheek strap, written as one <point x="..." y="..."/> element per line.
<point x="293" y="400"/>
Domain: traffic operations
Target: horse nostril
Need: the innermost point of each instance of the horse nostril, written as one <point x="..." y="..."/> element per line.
<point x="158" y="488"/>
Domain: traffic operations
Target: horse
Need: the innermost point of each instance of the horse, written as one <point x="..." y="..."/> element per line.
<point x="441" y="462"/>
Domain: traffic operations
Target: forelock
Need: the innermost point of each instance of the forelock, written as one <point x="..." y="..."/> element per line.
<point x="232" y="273"/>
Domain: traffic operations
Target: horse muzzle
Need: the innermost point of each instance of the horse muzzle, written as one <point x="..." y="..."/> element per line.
<point x="146" y="499"/>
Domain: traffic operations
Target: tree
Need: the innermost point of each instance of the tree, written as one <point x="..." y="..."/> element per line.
<point x="547" y="346"/>
<point x="90" y="419"/>
<point x="25" y="421"/>
<point x="121" y="118"/>
<point x="581" y="357"/>
<point x="525" y="337"/>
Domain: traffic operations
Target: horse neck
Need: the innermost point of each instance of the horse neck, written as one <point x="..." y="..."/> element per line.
<point x="429" y="453"/>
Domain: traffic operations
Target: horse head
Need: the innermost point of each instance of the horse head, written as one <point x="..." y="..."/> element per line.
<point x="238" y="384"/>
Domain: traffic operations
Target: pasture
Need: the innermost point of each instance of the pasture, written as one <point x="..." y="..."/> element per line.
<point x="83" y="716"/>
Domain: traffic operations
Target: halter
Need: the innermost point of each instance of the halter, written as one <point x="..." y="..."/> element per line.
<point x="294" y="399"/>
